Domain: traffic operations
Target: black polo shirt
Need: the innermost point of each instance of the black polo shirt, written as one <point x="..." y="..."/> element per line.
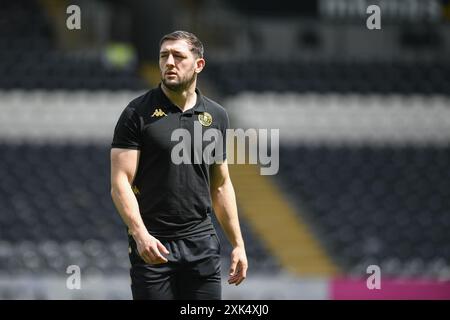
<point x="174" y="198"/>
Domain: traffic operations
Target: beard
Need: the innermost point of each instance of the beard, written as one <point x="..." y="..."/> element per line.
<point x="180" y="85"/>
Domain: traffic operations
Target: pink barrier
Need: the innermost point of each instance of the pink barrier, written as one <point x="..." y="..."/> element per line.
<point x="356" y="289"/>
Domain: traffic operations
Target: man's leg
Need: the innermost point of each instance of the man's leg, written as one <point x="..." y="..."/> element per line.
<point x="199" y="277"/>
<point x="151" y="282"/>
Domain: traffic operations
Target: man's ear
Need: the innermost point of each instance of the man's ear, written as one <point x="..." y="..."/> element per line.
<point x="199" y="65"/>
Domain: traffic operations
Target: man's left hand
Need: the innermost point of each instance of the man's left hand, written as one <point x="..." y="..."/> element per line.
<point x="239" y="265"/>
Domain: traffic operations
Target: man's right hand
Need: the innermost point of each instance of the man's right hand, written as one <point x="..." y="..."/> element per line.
<point x="150" y="249"/>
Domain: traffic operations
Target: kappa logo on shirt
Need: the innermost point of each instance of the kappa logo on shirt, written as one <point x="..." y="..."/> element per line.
<point x="158" y="113"/>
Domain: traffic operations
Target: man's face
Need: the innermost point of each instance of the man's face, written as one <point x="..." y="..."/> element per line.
<point x="178" y="65"/>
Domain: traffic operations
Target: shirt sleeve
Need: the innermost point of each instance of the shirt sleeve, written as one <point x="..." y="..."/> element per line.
<point x="127" y="133"/>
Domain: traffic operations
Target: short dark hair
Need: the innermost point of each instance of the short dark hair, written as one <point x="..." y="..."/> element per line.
<point x="190" y="38"/>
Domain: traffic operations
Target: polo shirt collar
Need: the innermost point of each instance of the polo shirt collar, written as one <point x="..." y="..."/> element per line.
<point x="199" y="106"/>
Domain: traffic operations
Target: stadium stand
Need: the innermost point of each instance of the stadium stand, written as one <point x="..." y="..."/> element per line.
<point x="334" y="76"/>
<point x="56" y="203"/>
<point x="386" y="206"/>
<point x="29" y="58"/>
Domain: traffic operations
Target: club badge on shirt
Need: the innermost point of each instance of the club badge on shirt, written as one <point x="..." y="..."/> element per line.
<point x="205" y="119"/>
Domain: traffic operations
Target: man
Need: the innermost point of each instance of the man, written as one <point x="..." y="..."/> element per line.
<point x="166" y="205"/>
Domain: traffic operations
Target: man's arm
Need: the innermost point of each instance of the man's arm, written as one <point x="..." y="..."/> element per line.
<point x="124" y="164"/>
<point x="224" y="204"/>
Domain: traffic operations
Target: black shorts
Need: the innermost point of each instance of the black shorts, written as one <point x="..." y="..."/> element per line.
<point x="192" y="272"/>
